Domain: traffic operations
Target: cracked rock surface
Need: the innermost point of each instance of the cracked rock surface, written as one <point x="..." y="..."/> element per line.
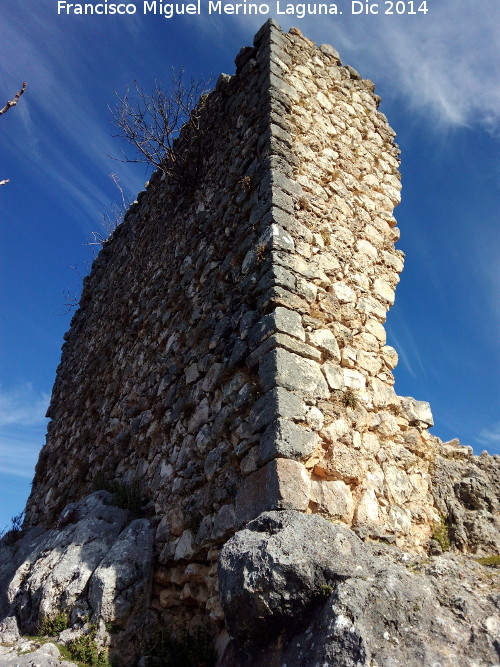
<point x="299" y="590"/>
<point x="94" y="566"/>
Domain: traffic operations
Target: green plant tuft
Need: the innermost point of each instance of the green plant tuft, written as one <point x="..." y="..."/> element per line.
<point x="349" y="399"/>
<point x="11" y="535"/>
<point x="260" y="251"/>
<point x="490" y="561"/>
<point x="128" y="496"/>
<point x="85" y="650"/>
<point x="113" y="628"/>
<point x="440" y="533"/>
<point x="51" y="626"/>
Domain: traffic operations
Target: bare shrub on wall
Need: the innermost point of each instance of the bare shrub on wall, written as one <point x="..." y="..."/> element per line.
<point x="160" y="125"/>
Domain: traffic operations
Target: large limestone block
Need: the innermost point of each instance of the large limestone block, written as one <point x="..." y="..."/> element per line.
<point x="275" y="404"/>
<point x="46" y="572"/>
<point x="271" y="572"/>
<point x="416" y="411"/>
<point x="281" y="320"/>
<point x="285" y="439"/>
<point x="299" y="590"/>
<point x="286" y="369"/>
<point x="280" y="484"/>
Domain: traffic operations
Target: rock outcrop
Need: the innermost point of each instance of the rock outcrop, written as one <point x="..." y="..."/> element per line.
<point x="27" y="654"/>
<point x="94" y="568"/>
<point x="466" y="491"/>
<point x="300" y="591"/>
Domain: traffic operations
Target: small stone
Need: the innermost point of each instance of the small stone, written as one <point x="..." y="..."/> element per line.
<point x="326" y="342"/>
<point x="390" y="356"/>
<point x="184" y="548"/>
<point x="416" y="411"/>
<point x="334" y="375"/>
<point x="344" y="293"/>
<point x="191" y="373"/>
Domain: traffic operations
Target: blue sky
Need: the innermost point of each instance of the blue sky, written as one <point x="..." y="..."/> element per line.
<point x="438" y="77"/>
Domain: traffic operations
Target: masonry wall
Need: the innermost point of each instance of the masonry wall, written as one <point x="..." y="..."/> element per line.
<point x="229" y="354"/>
<point x="153" y="389"/>
<point x="369" y="466"/>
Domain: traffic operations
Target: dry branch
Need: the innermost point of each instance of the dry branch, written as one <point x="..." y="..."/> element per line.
<point x="152" y="124"/>
<point x="13" y="102"/>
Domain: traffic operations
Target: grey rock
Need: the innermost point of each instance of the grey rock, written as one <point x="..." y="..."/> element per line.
<point x="9" y="630"/>
<point x="277" y="276"/>
<point x="274" y="404"/>
<point x="276" y="568"/>
<point x="224" y="522"/>
<point x="121" y="581"/>
<point x="288" y="370"/>
<point x="300" y="591"/>
<point x="287" y="343"/>
<point x="465" y="491"/>
<point x="285" y="439"/>
<point x="280" y="320"/>
<point x="46" y="572"/>
<point x="47" y="655"/>
<point x="280" y="484"/>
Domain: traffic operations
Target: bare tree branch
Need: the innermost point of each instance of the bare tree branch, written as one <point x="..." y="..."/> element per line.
<point x="158" y="124"/>
<point x="111" y="218"/>
<point x="12" y="103"/>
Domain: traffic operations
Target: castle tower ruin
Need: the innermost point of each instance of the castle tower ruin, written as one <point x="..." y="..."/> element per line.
<point x="229" y="355"/>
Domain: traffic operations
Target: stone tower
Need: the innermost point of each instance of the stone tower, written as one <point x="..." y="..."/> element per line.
<point x="229" y="355"/>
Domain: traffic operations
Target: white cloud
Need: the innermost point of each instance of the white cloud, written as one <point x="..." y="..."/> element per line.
<point x="444" y="64"/>
<point x="490" y="437"/>
<point x="18" y="454"/>
<point x="22" y="429"/>
<point x="22" y="406"/>
<point x="67" y="139"/>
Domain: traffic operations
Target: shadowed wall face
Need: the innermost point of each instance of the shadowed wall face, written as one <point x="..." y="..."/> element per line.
<point x="229" y="354"/>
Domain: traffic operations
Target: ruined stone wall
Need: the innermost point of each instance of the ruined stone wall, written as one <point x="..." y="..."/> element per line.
<point x="370" y="464"/>
<point x="229" y="354"/>
<point x="360" y="453"/>
<point x="153" y="389"/>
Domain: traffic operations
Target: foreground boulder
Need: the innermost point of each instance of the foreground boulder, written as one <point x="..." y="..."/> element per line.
<point x="93" y="568"/>
<point x="299" y="591"/>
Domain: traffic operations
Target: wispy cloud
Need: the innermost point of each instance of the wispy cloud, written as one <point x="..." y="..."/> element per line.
<point x="406" y="346"/>
<point x="490" y="437"/>
<point x="444" y="64"/>
<point x="22" y="428"/>
<point x="22" y="406"/>
<point x="67" y="137"/>
<point x="18" y="454"/>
